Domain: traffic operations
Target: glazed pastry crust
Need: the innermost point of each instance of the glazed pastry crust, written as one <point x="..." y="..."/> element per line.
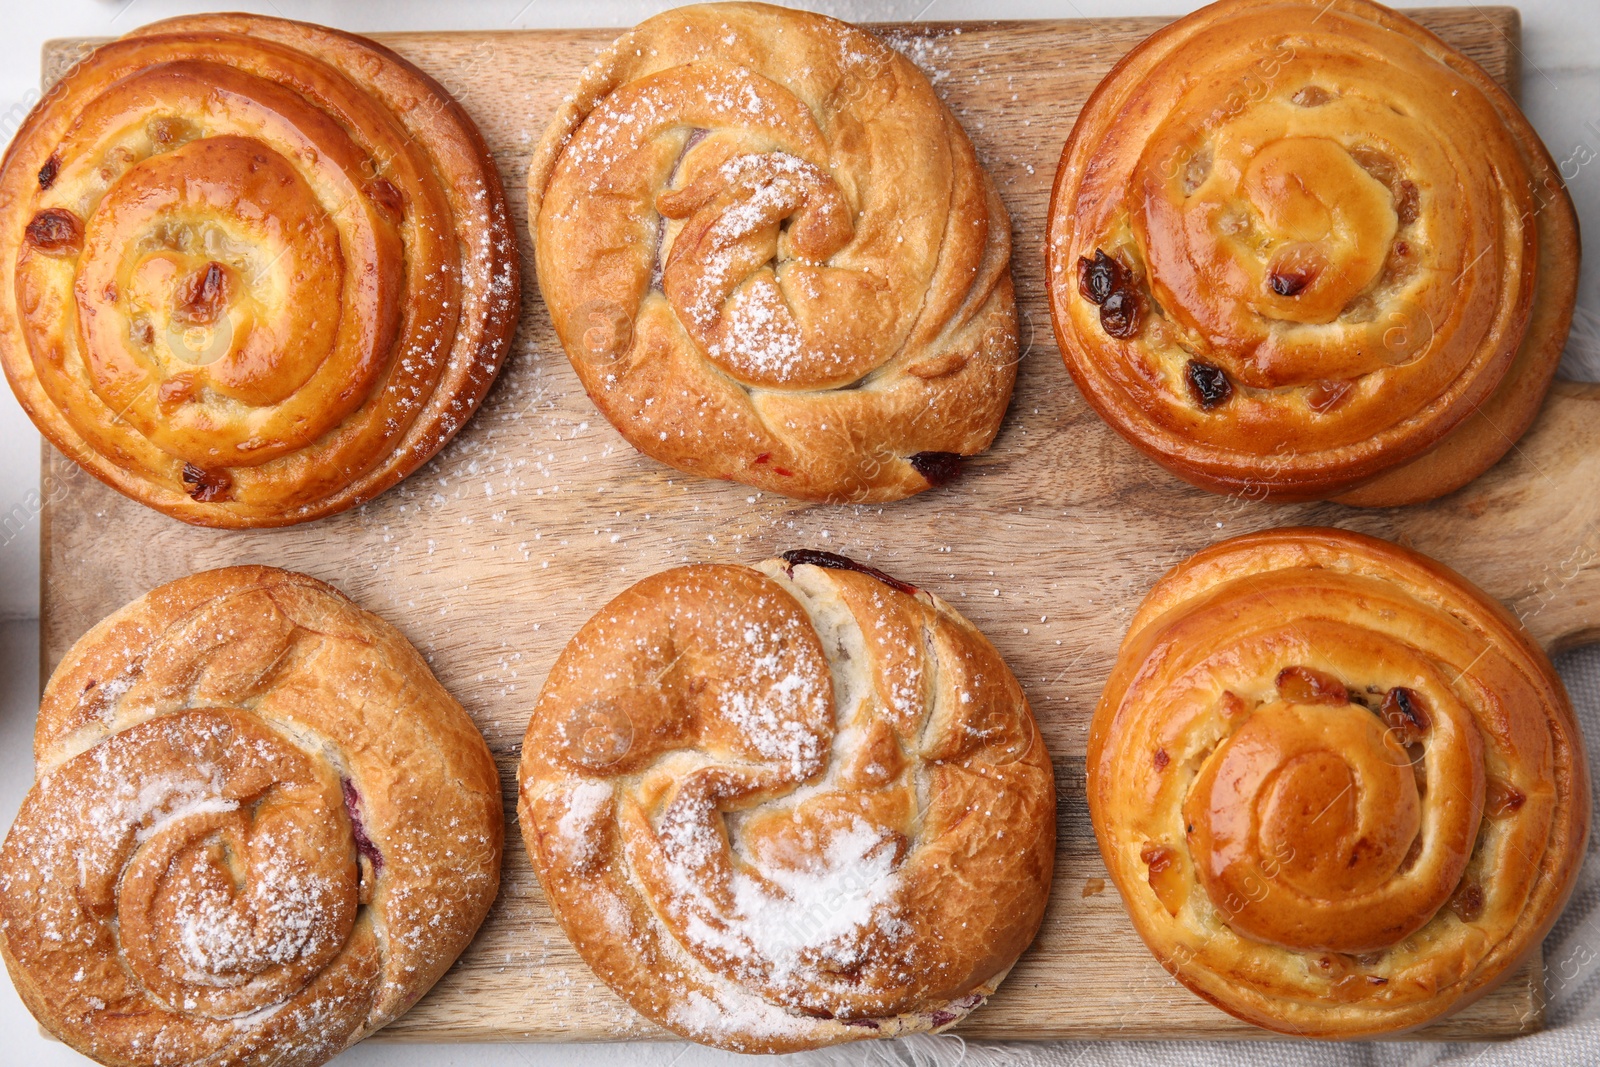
<point x="261" y="829"/>
<point x="783" y="807"/>
<point x="772" y="256"/>
<point x="1341" y="791"/>
<point x="1382" y="333"/>
<point x="252" y="272"/>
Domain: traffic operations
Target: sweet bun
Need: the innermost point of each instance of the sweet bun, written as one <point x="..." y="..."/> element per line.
<point x="790" y="805"/>
<point x="1302" y="249"/>
<point x="1341" y="791"/>
<point x="772" y="256"/>
<point x="260" y="831"/>
<point x="252" y="272"/>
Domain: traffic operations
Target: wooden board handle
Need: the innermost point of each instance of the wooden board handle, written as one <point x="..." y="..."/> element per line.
<point x="1541" y="556"/>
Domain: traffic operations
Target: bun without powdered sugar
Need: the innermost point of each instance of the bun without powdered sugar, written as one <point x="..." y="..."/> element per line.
<point x="773" y="256"/>
<point x="791" y="805"/>
<point x="1341" y="791"/>
<point x="261" y="829"/>
<point x="252" y="272"/>
<point x="1303" y="249"/>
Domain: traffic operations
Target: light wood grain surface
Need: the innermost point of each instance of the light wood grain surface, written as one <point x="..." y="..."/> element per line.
<point x="493" y="555"/>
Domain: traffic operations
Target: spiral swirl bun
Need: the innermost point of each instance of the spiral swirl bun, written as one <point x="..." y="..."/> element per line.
<point x="787" y="806"/>
<point x="252" y="272"/>
<point x="1341" y="791"/>
<point x="261" y="829"/>
<point x="1304" y="250"/>
<point x="772" y="256"/>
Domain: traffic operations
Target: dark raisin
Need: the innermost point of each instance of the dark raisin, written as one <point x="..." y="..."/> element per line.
<point x="206" y="486"/>
<point x="48" y="172"/>
<point x="1405" y="207"/>
<point x="937" y="467"/>
<point x="1099" y="277"/>
<point x="796" y="557"/>
<point x="1404" y="714"/>
<point x="1122" y="313"/>
<point x="204" y="295"/>
<point x="1289" y="282"/>
<point x="1207" y="384"/>
<point x="55" y="230"/>
<point x="1162" y="759"/>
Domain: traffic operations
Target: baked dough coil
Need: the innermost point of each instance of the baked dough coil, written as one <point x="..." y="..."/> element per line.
<point x="261" y="829"/>
<point x="1304" y="250"/>
<point x="252" y="272"/>
<point x="787" y="806"/>
<point x="772" y="256"/>
<point x="1340" y="790"/>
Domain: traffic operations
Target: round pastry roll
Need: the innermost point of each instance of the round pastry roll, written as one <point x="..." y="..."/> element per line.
<point x="261" y="829"/>
<point x="1301" y="250"/>
<point x="252" y="272"/>
<point x="1341" y="791"/>
<point x="772" y="256"/>
<point x="790" y="805"/>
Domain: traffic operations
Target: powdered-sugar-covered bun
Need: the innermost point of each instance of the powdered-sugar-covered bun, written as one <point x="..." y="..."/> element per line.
<point x="261" y="829"/>
<point x="773" y="256"/>
<point x="791" y="805"/>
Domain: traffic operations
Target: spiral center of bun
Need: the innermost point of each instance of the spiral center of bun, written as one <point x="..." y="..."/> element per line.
<point x="1307" y="823"/>
<point x="747" y="273"/>
<point x="1320" y="799"/>
<point x="1326" y="228"/>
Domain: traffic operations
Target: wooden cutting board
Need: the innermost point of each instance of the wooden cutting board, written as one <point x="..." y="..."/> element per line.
<point x="493" y="555"/>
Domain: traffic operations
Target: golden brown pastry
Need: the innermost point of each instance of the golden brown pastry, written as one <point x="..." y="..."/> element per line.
<point x="252" y="272"/>
<point x="788" y="806"/>
<point x="772" y="256"/>
<point x="1340" y="789"/>
<point x="1301" y="250"/>
<point x="261" y="829"/>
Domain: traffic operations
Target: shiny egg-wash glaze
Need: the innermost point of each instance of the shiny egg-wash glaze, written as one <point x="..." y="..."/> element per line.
<point x="252" y="272"/>
<point x="1341" y="791"/>
<point x="1307" y="250"/>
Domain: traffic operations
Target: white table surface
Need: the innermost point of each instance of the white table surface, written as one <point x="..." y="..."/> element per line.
<point x="1561" y="93"/>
